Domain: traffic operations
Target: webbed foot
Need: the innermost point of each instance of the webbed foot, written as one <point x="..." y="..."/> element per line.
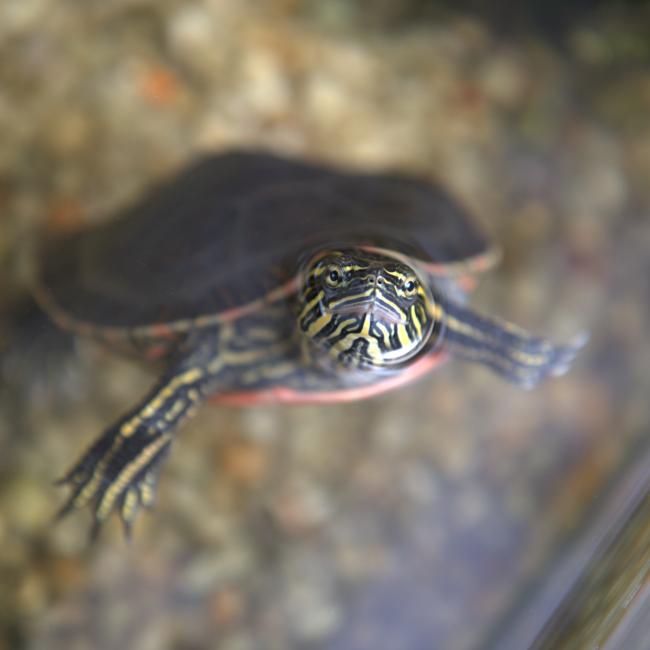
<point x="509" y="350"/>
<point x="119" y="472"/>
<point x="534" y="359"/>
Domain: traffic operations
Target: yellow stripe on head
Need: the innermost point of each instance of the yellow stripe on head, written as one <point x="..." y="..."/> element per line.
<point x="365" y="309"/>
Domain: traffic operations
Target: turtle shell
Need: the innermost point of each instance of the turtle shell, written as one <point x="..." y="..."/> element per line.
<point x="232" y="229"/>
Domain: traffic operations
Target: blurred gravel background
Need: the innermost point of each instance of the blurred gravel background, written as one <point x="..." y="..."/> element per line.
<point x="415" y="520"/>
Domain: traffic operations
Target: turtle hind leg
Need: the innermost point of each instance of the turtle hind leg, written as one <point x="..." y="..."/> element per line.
<point x="507" y="349"/>
<point x="119" y="471"/>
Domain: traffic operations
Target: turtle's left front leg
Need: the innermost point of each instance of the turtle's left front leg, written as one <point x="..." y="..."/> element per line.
<point x="119" y="471"/>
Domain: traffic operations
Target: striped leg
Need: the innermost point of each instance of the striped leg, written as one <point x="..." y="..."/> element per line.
<point x="510" y="351"/>
<point x="119" y="472"/>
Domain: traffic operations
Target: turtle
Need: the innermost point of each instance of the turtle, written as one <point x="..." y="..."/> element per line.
<point x="251" y="277"/>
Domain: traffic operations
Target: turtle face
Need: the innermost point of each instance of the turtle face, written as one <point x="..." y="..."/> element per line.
<point x="364" y="309"/>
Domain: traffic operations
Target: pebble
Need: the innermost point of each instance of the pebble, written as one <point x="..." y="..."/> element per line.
<point x="208" y="571"/>
<point x="245" y="464"/>
<point x="300" y="506"/>
<point x="21" y="16"/>
<point x="505" y="79"/>
<point x="192" y="31"/>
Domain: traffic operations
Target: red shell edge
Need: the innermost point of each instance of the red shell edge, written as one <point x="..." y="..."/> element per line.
<point x="284" y="395"/>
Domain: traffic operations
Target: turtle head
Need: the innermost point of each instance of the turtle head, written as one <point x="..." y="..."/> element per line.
<point x="364" y="309"/>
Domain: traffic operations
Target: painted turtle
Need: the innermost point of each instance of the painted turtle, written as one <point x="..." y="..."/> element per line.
<point x="254" y="277"/>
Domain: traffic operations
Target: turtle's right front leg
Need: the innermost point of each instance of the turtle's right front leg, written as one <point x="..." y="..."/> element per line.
<point x="119" y="471"/>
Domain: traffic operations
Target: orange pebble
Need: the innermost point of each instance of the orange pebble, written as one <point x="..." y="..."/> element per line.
<point x="244" y="462"/>
<point x="64" y="213"/>
<point x="160" y="86"/>
<point x="226" y="607"/>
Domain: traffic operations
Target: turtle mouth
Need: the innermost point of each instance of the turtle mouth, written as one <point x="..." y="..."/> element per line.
<point x="374" y="308"/>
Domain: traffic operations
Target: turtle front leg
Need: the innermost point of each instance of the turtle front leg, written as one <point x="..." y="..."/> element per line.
<point x="119" y="471"/>
<point x="509" y="350"/>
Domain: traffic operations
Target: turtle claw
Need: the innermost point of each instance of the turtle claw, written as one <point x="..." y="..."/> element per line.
<point x="552" y="361"/>
<point x="70" y="505"/>
<point x="140" y="493"/>
<point x="93" y="533"/>
<point x="564" y="355"/>
<point x="117" y="474"/>
<point x="76" y="478"/>
<point x="127" y="508"/>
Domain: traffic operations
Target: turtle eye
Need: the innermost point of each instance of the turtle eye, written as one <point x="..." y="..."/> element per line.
<point x="333" y="275"/>
<point x="409" y="286"/>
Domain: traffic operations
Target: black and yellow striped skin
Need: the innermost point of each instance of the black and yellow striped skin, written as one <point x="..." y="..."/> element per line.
<point x="339" y="331"/>
<point x="205" y="276"/>
<point x="119" y="472"/>
<point x="354" y="318"/>
<point x="507" y="349"/>
<point x="364" y="310"/>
